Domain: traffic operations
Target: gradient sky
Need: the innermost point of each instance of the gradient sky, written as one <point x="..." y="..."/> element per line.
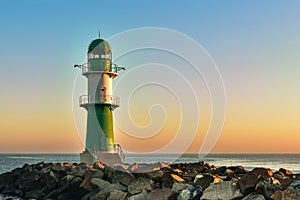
<point x="255" y="44"/>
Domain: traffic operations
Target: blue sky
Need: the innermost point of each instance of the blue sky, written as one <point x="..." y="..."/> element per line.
<point x="256" y="45"/>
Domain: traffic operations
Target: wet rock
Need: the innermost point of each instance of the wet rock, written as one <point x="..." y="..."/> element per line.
<point x="177" y="187"/>
<point x="141" y="196"/>
<point x="140" y="184"/>
<point x="222" y="190"/>
<point x="248" y="182"/>
<point x="268" y="187"/>
<point x="254" y="196"/>
<point x="190" y="193"/>
<point x="162" y="194"/>
<point x="205" y="179"/>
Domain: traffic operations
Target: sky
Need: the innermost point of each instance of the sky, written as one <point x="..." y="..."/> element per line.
<point x="254" y="44"/>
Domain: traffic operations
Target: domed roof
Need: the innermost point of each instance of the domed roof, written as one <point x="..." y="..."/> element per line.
<point x="99" y="44"/>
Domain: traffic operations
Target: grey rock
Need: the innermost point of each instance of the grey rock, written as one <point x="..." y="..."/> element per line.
<point x="51" y="180"/>
<point x="100" y="183"/>
<point x="140" y="184"/>
<point x="268" y="187"/>
<point x="248" y="182"/>
<point x="162" y="194"/>
<point x="141" y="196"/>
<point x="254" y="196"/>
<point x="222" y="190"/>
<point x="117" y="195"/>
<point x="177" y="187"/>
<point x="190" y="193"/>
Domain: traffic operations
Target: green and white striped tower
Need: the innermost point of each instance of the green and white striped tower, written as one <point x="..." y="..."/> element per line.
<point x="99" y="104"/>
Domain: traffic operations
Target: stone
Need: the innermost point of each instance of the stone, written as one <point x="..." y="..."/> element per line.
<point x="7" y="183"/>
<point x="190" y="193"/>
<point x="285" y="182"/>
<point x="140" y="184"/>
<point x="141" y="196"/>
<point x="167" y="180"/>
<point x="177" y="178"/>
<point x="98" y="174"/>
<point x="268" y="187"/>
<point x="205" y="180"/>
<point x="254" y="196"/>
<point x="118" y="186"/>
<point x="100" y="183"/>
<point x="52" y="180"/>
<point x="78" y="171"/>
<point x="29" y="181"/>
<point x="291" y="193"/>
<point x="124" y="177"/>
<point x="222" y="190"/>
<point x="248" y="182"/>
<point x="117" y="195"/>
<point x="263" y="172"/>
<point x="286" y="172"/>
<point x="177" y="187"/>
<point x="57" y="167"/>
<point x="87" y="184"/>
<point x="103" y="194"/>
<point x="162" y="194"/>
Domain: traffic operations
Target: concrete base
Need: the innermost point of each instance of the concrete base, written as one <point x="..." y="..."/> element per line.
<point x="108" y="158"/>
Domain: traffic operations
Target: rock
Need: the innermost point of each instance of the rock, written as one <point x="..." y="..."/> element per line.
<point x="118" y="186"/>
<point x="103" y="194"/>
<point x="268" y="187"/>
<point x="162" y="194"/>
<point x="222" y="190"/>
<point x="78" y="171"/>
<point x="190" y="193"/>
<point x="124" y="177"/>
<point x="167" y="180"/>
<point x="117" y="195"/>
<point x="285" y="182"/>
<point x="248" y="182"/>
<point x="29" y="181"/>
<point x="177" y="178"/>
<point x="71" y="189"/>
<point x="263" y="172"/>
<point x="238" y="169"/>
<point x="205" y="179"/>
<point x="98" y="174"/>
<point x="291" y="193"/>
<point x="52" y="180"/>
<point x="254" y="196"/>
<point x="286" y="172"/>
<point x="177" y="187"/>
<point x="7" y="183"/>
<point x="87" y="184"/>
<point x="141" y="196"/>
<point x="140" y="184"/>
<point x="57" y="167"/>
<point x="100" y="183"/>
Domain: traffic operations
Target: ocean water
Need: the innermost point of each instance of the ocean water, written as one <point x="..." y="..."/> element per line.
<point x="9" y="162"/>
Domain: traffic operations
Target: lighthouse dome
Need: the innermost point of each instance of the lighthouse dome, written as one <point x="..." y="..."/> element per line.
<point x="99" y="44"/>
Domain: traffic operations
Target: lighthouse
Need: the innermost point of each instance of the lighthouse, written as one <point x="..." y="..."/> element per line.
<point x="99" y="104"/>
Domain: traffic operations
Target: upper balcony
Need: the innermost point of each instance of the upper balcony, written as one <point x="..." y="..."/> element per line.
<point x="84" y="101"/>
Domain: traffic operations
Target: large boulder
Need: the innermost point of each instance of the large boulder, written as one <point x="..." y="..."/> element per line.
<point x="100" y="183"/>
<point x="117" y="195"/>
<point x="162" y="194"/>
<point x="268" y="187"/>
<point x="140" y="184"/>
<point x="222" y="190"/>
<point x="291" y="193"/>
<point x="263" y="172"/>
<point x="141" y="196"/>
<point x="248" y="182"/>
<point x="178" y="187"/>
<point x="190" y="193"/>
<point x="206" y="179"/>
<point x="254" y="196"/>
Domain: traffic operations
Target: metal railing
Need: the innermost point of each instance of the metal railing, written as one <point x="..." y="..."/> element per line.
<point x="114" y="100"/>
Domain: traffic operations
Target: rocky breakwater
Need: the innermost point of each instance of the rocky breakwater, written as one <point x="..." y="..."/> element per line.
<point x="159" y="181"/>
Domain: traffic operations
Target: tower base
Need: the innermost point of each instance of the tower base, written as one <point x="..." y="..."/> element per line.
<point x="108" y="158"/>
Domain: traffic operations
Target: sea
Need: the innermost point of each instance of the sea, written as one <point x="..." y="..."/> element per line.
<point x="291" y="162"/>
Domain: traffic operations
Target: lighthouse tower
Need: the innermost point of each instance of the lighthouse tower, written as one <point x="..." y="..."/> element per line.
<point x="99" y="103"/>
